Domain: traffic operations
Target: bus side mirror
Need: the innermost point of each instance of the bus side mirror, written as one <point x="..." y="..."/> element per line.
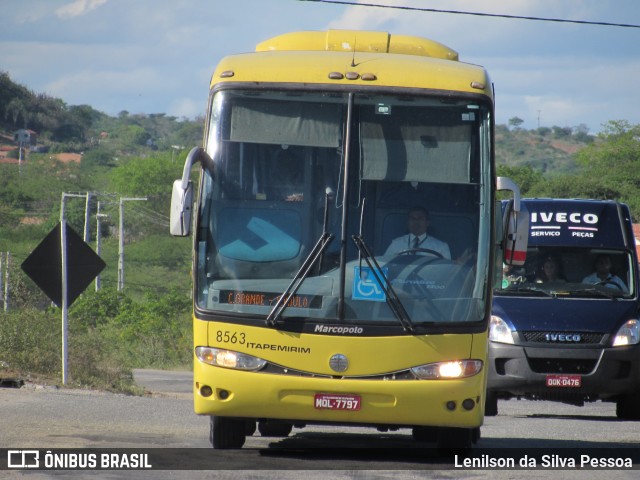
<point x="181" y="208"/>
<point x="515" y="222"/>
<point x="182" y="195"/>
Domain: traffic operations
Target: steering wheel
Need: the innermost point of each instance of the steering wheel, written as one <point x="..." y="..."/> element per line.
<point x="404" y="259"/>
<point x="416" y="250"/>
<point x="604" y="283"/>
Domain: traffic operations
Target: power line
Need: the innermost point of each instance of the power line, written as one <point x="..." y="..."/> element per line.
<point x="477" y="14"/>
<point x="151" y="212"/>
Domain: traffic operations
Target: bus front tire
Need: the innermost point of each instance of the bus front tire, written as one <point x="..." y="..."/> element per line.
<point x="491" y="404"/>
<point x="449" y="441"/>
<point x="227" y="433"/>
<point x="456" y="441"/>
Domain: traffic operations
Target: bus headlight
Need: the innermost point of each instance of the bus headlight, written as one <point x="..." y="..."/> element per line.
<point x="446" y="370"/>
<point x="229" y="359"/>
<point x="627" y="334"/>
<point x="499" y="331"/>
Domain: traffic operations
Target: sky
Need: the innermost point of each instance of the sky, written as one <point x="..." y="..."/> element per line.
<point x="157" y="56"/>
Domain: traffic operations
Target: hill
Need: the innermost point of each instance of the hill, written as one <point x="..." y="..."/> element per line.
<point x="549" y="151"/>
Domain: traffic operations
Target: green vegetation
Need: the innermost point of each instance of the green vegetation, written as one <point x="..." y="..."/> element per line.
<point x="148" y="323"/>
<point x="604" y="167"/>
<point x="109" y="334"/>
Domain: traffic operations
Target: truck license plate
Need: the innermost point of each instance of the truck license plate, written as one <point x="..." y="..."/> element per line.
<point x="331" y="401"/>
<point x="566" y="381"/>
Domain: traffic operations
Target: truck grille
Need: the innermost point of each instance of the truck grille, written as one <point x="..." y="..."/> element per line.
<point x="586" y="338"/>
<point x="562" y="365"/>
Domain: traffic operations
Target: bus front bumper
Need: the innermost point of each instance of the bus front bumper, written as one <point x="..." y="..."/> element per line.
<point x="401" y="403"/>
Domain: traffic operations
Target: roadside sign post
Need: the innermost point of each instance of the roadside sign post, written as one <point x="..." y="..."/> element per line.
<point x="60" y="276"/>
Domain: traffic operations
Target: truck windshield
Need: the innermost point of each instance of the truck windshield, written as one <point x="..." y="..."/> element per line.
<point x="571" y="272"/>
<point x="295" y="168"/>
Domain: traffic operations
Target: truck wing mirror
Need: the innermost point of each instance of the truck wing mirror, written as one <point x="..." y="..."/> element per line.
<point x="182" y="194"/>
<point x="515" y="222"/>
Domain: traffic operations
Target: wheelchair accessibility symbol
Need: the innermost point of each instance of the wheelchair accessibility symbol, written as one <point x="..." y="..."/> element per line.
<point x="365" y="285"/>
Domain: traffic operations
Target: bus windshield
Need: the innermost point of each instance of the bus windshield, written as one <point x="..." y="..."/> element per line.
<point x="314" y="196"/>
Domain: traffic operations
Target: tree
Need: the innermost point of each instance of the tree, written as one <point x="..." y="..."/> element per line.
<point x="15" y="110"/>
<point x="132" y="134"/>
<point x="561" y="132"/>
<point x="515" y="122"/>
<point x="616" y="156"/>
<point x="543" y="131"/>
<point x="575" y="186"/>
<point x="581" y="134"/>
<point x="525" y="177"/>
<point x="613" y="163"/>
<point x="146" y="176"/>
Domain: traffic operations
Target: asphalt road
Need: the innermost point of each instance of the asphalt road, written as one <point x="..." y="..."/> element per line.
<point x="48" y="418"/>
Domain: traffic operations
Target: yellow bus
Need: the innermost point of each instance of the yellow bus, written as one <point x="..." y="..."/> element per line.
<point x="312" y="303"/>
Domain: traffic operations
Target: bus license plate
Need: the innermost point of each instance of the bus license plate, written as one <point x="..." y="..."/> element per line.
<point x="336" y="402"/>
<point x="566" y="381"/>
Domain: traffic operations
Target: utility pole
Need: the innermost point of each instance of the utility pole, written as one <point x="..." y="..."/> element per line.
<point x="175" y="149"/>
<point x="99" y="217"/>
<point x="121" y="241"/>
<point x="6" y="281"/>
<point x="87" y="208"/>
<point x="1" y="272"/>
<point x="20" y="158"/>
<point x="5" y="292"/>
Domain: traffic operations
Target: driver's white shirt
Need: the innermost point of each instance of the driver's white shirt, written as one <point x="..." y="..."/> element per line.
<point x="428" y="242"/>
<point x="595" y="279"/>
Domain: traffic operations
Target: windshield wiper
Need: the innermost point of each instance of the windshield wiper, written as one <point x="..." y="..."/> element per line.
<point x="300" y="276"/>
<point x="392" y="298"/>
<point x="564" y="292"/>
<point x="523" y="288"/>
<point x="597" y="292"/>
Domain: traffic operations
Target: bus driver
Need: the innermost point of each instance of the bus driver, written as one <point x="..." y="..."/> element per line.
<point x="417" y="238"/>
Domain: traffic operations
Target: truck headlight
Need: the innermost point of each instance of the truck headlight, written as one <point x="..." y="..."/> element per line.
<point x="499" y="331"/>
<point x="627" y="334"/>
<point x="447" y="370"/>
<point x="229" y="359"/>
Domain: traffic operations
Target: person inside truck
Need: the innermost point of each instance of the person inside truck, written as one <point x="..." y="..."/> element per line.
<point x="550" y="271"/>
<point x="603" y="276"/>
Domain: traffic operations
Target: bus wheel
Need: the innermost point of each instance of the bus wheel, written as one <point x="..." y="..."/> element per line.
<point x="475" y="435"/>
<point x="425" y="434"/>
<point x="274" y="429"/>
<point x="227" y="433"/>
<point x="455" y="441"/>
<point x="628" y="407"/>
<point x="491" y="404"/>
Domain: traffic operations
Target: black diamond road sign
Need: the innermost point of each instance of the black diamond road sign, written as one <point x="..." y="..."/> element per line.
<point x="44" y="265"/>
